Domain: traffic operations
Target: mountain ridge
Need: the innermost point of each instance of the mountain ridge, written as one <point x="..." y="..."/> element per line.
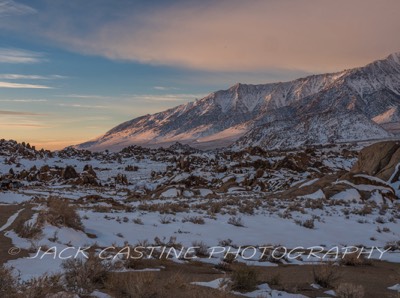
<point x="239" y="113"/>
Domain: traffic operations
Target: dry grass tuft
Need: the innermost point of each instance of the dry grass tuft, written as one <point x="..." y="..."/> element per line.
<point x="244" y="279"/>
<point x="326" y="275"/>
<point x="84" y="276"/>
<point x="60" y="213"/>
<point x="348" y="290"/>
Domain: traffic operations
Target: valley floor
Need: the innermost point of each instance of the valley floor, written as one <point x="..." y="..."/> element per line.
<point x="286" y="220"/>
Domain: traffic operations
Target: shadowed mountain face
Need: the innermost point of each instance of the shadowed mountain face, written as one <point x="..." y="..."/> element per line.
<point x="356" y="104"/>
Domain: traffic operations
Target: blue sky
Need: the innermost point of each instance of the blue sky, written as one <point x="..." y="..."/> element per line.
<point x="71" y="70"/>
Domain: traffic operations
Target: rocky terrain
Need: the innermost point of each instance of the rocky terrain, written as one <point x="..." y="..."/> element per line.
<point x="325" y="196"/>
<point x="355" y="104"/>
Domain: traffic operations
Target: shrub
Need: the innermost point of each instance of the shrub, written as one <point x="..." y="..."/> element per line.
<point x="84" y="276"/>
<point x="309" y="223"/>
<point x="138" y="221"/>
<point x="61" y="213"/>
<point x="325" y="275"/>
<point x="244" y="279"/>
<point x="27" y="230"/>
<point x="393" y="245"/>
<point x="165" y="219"/>
<point x="201" y="249"/>
<point x="131" y="168"/>
<point x="223" y="266"/>
<point x="347" y="290"/>
<point x="42" y="286"/>
<point x="147" y="285"/>
<point x="354" y="260"/>
<point x="8" y="284"/>
<point x="127" y="285"/>
<point x="275" y="280"/>
<point x="194" y="219"/>
<point x="236" y="221"/>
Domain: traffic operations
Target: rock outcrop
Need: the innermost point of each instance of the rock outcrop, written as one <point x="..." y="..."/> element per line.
<point x="380" y="160"/>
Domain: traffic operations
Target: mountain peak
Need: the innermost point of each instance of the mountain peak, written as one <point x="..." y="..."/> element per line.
<point x="395" y="57"/>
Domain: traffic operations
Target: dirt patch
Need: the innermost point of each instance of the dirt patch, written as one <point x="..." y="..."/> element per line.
<point x="6" y="211"/>
<point x="375" y="279"/>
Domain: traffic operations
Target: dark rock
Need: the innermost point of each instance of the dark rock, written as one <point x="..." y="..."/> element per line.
<point x="69" y="173"/>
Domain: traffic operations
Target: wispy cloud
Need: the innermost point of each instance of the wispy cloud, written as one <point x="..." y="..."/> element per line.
<point x="11" y="55"/>
<point x="82" y="106"/>
<point x="29" y="77"/>
<point x="22" y="86"/>
<point x="12" y="8"/>
<point x="84" y="96"/>
<point x="166" y="97"/>
<point x="237" y="35"/>
<point x="23" y="100"/>
<point x="134" y="97"/>
<point x="19" y="113"/>
<point x="163" y="88"/>
<point x="23" y="125"/>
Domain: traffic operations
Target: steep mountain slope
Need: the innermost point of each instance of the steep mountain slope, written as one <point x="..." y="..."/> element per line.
<point x="355" y="104"/>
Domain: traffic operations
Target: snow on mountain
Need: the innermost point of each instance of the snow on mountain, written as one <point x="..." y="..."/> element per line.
<point x="355" y="104"/>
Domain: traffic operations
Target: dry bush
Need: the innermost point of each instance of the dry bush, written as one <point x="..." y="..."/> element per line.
<point x="244" y="279"/>
<point x="247" y="208"/>
<point x="84" y="276"/>
<point x="166" y="219"/>
<point x="365" y="210"/>
<point x="315" y="204"/>
<point x="60" y="213"/>
<point x="128" y="286"/>
<point x="145" y="285"/>
<point x="42" y="286"/>
<point x="275" y="280"/>
<point x="326" y="275"/>
<point x="230" y="258"/>
<point x="354" y="260"/>
<point x="223" y="266"/>
<point x="27" y="230"/>
<point x="199" y="220"/>
<point x="134" y="260"/>
<point x="393" y="245"/>
<point x="309" y="223"/>
<point x="8" y="283"/>
<point x="200" y="248"/>
<point x="347" y="290"/>
<point x="236" y="221"/>
<point x="137" y="221"/>
<point x="102" y="209"/>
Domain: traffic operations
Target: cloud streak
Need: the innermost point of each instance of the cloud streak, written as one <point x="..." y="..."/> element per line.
<point x="23" y="100"/>
<point x="22" y="86"/>
<point x="29" y="77"/>
<point x="165" y="97"/>
<point x="12" y="8"/>
<point x="17" y="56"/>
<point x="17" y="113"/>
<point x="82" y="106"/>
<point x="23" y="125"/>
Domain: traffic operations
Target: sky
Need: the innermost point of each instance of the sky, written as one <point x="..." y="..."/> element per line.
<point x="71" y="70"/>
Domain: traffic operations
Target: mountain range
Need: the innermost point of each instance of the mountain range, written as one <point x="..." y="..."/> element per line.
<point x="351" y="105"/>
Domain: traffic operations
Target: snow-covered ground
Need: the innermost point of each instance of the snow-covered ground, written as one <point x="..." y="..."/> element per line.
<point x="221" y="202"/>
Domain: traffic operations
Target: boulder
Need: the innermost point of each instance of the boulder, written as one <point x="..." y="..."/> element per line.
<point x="379" y="160"/>
<point x="89" y="170"/>
<point x="69" y="173"/>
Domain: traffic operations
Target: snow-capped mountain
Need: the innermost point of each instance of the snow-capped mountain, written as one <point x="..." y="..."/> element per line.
<point x="356" y="104"/>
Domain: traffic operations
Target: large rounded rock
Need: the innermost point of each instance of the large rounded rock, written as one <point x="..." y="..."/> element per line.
<point x="379" y="160"/>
